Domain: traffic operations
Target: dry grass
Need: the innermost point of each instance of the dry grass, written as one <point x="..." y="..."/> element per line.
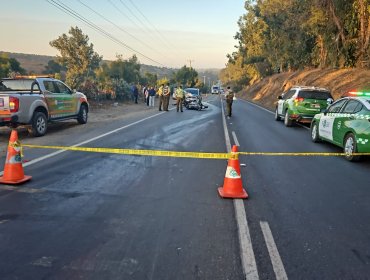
<point x="337" y="81"/>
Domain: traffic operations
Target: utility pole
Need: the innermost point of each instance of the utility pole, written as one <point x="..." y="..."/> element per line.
<point x="190" y="61"/>
<point x="204" y="80"/>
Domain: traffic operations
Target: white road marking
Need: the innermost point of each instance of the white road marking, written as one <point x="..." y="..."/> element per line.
<point x="235" y="139"/>
<point x="246" y="250"/>
<point x="276" y="261"/>
<point x="87" y="141"/>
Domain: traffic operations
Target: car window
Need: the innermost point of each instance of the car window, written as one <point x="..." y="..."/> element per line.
<point x="289" y="94"/>
<point x="49" y="86"/>
<point x="15" y="85"/>
<point x="352" y="107"/>
<point x="335" y="108"/>
<point x="62" y="88"/>
<point x="314" y="94"/>
<point x="192" y="91"/>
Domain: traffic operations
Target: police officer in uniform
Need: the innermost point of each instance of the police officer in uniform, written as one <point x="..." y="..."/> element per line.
<point x="161" y="101"/>
<point x="179" y="97"/>
<point x="229" y="101"/>
<point x="166" y="97"/>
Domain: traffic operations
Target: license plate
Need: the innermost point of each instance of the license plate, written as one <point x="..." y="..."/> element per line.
<point x="1" y="102"/>
<point x="317" y="106"/>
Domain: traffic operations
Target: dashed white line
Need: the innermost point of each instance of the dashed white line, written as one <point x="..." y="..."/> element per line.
<point x="235" y="139"/>
<point x="246" y="249"/>
<point x="276" y="261"/>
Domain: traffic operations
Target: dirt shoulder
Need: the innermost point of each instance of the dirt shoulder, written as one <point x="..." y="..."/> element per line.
<point x="266" y="91"/>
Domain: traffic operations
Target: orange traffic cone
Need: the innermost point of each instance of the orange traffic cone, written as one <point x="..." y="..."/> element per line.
<point x="13" y="170"/>
<point x="233" y="187"/>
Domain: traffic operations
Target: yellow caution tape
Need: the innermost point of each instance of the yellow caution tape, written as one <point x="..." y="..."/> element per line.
<point x="185" y="154"/>
<point x="305" y="154"/>
<point x="141" y="152"/>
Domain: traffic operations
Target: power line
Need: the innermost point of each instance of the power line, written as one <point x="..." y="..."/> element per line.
<point x="123" y="30"/>
<point x="151" y="24"/>
<point x="148" y="30"/>
<point x="64" y="8"/>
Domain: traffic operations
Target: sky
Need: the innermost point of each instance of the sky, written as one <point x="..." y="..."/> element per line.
<point x="165" y="33"/>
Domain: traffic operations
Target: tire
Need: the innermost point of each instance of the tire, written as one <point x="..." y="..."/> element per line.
<point x="315" y="133"/>
<point x="39" y="124"/>
<point x="277" y="117"/>
<point x="82" y="115"/>
<point x="287" y="121"/>
<point x="350" y="147"/>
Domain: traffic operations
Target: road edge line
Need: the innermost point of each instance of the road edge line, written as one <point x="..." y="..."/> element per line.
<point x="277" y="263"/>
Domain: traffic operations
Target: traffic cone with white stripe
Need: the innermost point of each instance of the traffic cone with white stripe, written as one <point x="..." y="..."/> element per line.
<point x="233" y="186"/>
<point x="13" y="170"/>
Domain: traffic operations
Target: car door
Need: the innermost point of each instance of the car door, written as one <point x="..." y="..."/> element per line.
<point x="282" y="103"/>
<point x="347" y="120"/>
<point x="59" y="99"/>
<point x="328" y="120"/>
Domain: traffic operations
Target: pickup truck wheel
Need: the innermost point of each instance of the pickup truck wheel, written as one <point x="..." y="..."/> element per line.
<point x="82" y="115"/>
<point x="39" y="124"/>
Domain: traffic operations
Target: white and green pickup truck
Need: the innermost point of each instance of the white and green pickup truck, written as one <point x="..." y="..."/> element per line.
<point x="37" y="101"/>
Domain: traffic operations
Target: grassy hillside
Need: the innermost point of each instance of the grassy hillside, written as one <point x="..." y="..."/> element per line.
<point x="35" y="64"/>
<point x="32" y="63"/>
<point x="337" y="81"/>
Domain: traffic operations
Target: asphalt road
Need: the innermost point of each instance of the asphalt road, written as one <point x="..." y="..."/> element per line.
<point x="104" y="216"/>
<point x="316" y="207"/>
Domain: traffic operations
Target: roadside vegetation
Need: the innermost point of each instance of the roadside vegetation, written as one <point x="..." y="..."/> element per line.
<point x="293" y="37"/>
<point x="85" y="70"/>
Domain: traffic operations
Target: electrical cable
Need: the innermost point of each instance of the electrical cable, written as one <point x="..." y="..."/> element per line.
<point x="64" y="8"/>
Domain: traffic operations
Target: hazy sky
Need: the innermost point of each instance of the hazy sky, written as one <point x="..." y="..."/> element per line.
<point x="168" y="32"/>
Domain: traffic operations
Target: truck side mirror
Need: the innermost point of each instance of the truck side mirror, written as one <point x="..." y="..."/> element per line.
<point x="329" y="101"/>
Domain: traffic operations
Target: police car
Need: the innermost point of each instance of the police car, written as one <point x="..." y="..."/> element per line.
<point x="301" y="104"/>
<point x="345" y="123"/>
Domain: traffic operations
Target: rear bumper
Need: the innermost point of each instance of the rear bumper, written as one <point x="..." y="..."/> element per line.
<point x="8" y="120"/>
<point x="301" y="118"/>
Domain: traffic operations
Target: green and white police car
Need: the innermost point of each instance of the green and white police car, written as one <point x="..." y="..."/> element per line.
<point x="301" y="104"/>
<point x="345" y="123"/>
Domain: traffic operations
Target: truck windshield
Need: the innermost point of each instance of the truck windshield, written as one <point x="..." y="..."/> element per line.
<point x="16" y="85"/>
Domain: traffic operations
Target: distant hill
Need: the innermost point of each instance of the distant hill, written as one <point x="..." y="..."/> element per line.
<point x="32" y="63"/>
<point x="35" y="64"/>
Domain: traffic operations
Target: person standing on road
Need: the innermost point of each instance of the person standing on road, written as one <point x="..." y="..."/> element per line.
<point x="151" y="96"/>
<point x="160" y="93"/>
<point x="135" y="93"/>
<point x="146" y="94"/>
<point x="166" y="96"/>
<point x="229" y="101"/>
<point x="179" y="93"/>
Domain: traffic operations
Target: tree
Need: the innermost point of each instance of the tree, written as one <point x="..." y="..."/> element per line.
<point x="115" y="77"/>
<point x="77" y="55"/>
<point x="9" y="66"/>
<point x="53" y="67"/>
<point x="186" y="76"/>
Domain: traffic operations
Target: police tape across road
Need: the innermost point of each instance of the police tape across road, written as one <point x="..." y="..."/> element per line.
<point x="187" y="154"/>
